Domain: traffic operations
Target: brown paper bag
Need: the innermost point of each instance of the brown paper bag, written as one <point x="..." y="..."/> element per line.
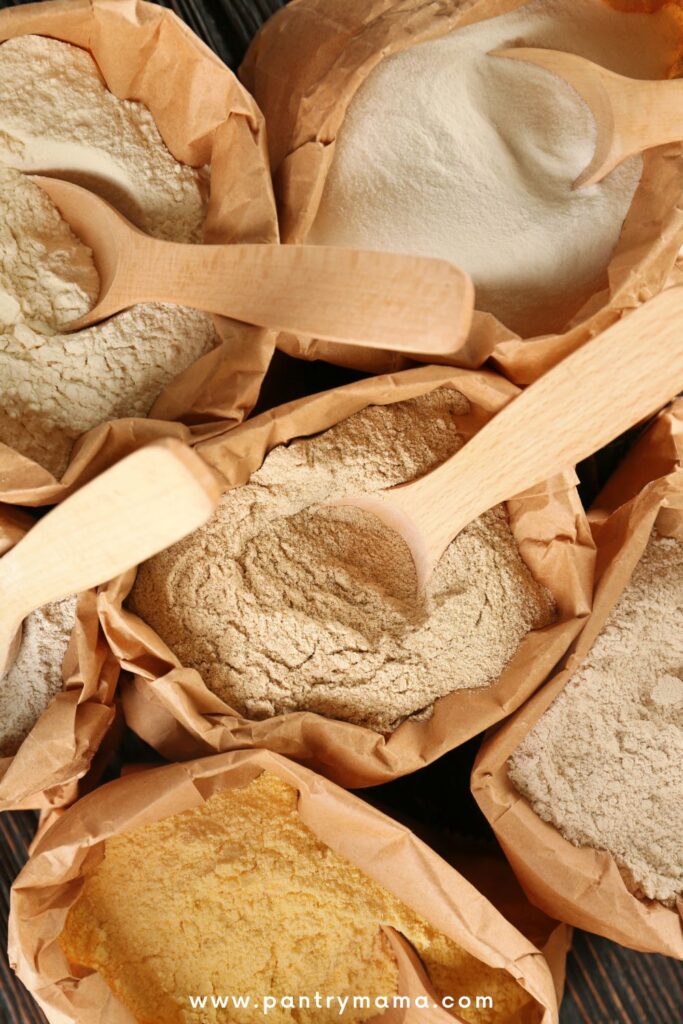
<point x="170" y="707"/>
<point x="61" y="747"/>
<point x="305" y="66"/>
<point x="489" y="872"/>
<point x="579" y="884"/>
<point x="388" y="852"/>
<point x="146" y="53"/>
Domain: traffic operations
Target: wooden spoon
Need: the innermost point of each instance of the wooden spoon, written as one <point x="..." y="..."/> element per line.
<point x="630" y="115"/>
<point x="610" y="384"/>
<point x="143" y="504"/>
<point x="383" y="300"/>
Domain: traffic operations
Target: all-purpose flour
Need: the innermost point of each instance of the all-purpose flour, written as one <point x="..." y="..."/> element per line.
<point x="57" y="116"/>
<point x="605" y="762"/>
<point x="449" y="152"/>
<point x="283" y="605"/>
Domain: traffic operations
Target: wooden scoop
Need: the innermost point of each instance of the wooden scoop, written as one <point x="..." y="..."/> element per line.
<point x="383" y="300"/>
<point x="140" y="506"/>
<point x="630" y="115"/>
<point x="610" y="384"/>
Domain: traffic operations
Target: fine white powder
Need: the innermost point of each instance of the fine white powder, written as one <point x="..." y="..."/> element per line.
<point x="449" y="152"/>
<point x="57" y="116"/>
<point x="604" y="764"/>
<point x="35" y="677"/>
<point x="283" y="605"/>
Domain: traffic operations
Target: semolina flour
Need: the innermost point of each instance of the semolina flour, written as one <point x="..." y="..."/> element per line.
<point x="57" y="116"/>
<point x="447" y="151"/>
<point x="284" y="605"/>
<point x="604" y="764"/>
<point x="239" y="896"/>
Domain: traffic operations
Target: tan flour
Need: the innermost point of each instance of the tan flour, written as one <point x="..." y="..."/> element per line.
<point x="36" y="675"/>
<point x="57" y="116"/>
<point x="239" y="897"/>
<point x="47" y="276"/>
<point x="605" y="763"/>
<point x="283" y="605"/>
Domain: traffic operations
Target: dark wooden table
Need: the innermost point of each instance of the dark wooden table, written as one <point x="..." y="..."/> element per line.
<point x="606" y="984"/>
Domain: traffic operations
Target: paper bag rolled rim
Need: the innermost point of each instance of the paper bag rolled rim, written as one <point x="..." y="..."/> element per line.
<point x="59" y="749"/>
<point x="173" y="710"/>
<point x="305" y="66"/>
<point x="146" y="53"/>
<point x="388" y="852"/>
<point x="582" y="885"/>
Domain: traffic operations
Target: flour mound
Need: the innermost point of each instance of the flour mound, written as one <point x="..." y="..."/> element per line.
<point x="36" y="675"/>
<point x="447" y="151"/>
<point x="283" y="605"/>
<point x="56" y="116"/>
<point x="605" y="762"/>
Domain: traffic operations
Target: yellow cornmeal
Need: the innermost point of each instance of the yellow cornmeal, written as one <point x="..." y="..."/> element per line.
<point x="239" y="897"/>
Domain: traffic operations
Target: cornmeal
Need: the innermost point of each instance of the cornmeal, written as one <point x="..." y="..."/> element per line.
<point x="238" y="897"/>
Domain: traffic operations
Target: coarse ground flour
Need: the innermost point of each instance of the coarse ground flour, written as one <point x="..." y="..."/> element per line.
<point x="36" y="675"/>
<point x="238" y="896"/>
<point x="604" y="764"/>
<point x="447" y="151"/>
<point x="57" y="116"/>
<point x="283" y="605"/>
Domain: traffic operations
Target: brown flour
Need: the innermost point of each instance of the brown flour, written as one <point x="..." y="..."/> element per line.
<point x="282" y="605"/>
<point x="605" y="763"/>
<point x="36" y="674"/>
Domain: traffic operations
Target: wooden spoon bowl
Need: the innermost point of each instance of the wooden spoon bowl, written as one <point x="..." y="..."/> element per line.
<point x="631" y="115"/>
<point x="607" y="386"/>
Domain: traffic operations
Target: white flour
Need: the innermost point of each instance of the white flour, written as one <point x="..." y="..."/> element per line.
<point x="283" y="605"/>
<point x="57" y="116"/>
<point x="605" y="762"/>
<point x="36" y="675"/>
<point x="449" y="152"/>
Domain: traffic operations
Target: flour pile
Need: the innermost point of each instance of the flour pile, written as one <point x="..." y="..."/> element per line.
<point x="57" y="116"/>
<point x="605" y="763"/>
<point x="446" y="151"/>
<point x="238" y="895"/>
<point x="36" y="674"/>
<point x="283" y="605"/>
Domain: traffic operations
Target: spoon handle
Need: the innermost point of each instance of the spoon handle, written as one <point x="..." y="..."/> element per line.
<point x="643" y="115"/>
<point x="144" y="503"/>
<point x="607" y="386"/>
<point x="404" y="303"/>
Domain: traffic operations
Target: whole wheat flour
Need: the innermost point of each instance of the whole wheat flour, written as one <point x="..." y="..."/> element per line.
<point x="57" y="116"/>
<point x="36" y="674"/>
<point x="447" y="151"/>
<point x="283" y="605"/>
<point x="239" y="896"/>
<point x="605" y="762"/>
<point x="47" y="276"/>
